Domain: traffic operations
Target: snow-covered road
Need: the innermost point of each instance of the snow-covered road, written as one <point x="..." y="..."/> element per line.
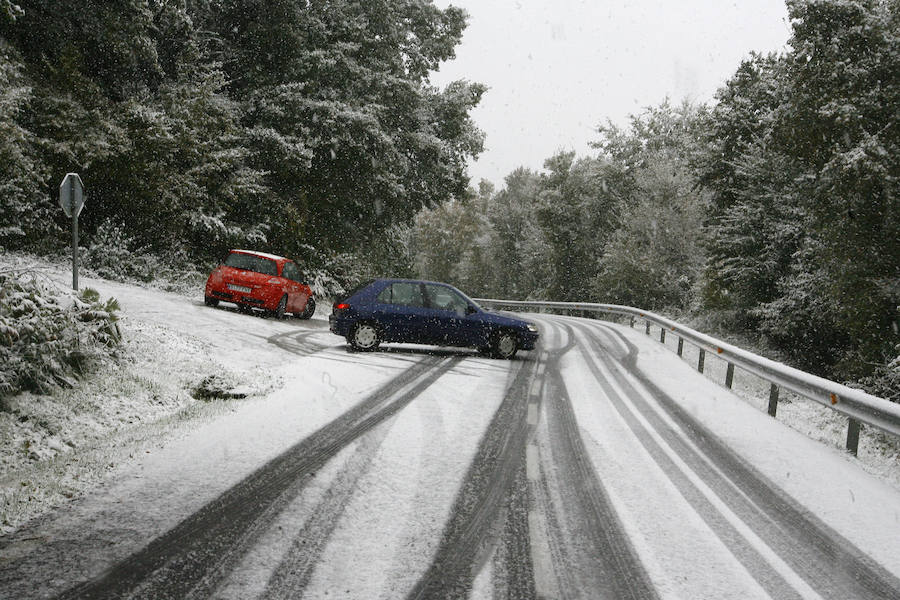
<point x="597" y="466"/>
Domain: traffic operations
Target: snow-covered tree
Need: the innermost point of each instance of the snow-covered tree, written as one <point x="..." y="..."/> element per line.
<point x="653" y="258"/>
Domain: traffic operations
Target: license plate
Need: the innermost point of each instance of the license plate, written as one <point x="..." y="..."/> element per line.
<point x="238" y="288"/>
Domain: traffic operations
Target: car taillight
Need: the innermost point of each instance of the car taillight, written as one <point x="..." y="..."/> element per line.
<point x="341" y="306"/>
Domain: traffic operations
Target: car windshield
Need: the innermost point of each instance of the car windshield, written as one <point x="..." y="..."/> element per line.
<point x="469" y="300"/>
<point x="249" y="262"/>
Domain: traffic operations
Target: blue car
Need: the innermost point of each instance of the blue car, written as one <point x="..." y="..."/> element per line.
<point x="426" y="312"/>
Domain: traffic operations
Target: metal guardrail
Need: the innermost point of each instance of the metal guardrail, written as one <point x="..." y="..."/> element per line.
<point x="857" y="405"/>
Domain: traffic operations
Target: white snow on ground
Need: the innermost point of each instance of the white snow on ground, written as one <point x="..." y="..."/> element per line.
<point x="405" y="498"/>
<point x="392" y="518"/>
<point x="689" y="562"/>
<point x="160" y="489"/>
<point x="686" y="560"/>
<point x="861" y="507"/>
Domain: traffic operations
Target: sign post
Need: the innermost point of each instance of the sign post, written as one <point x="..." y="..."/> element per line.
<point x="71" y="198"/>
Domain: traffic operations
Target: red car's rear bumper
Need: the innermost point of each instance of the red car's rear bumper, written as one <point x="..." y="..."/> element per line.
<point x="244" y="295"/>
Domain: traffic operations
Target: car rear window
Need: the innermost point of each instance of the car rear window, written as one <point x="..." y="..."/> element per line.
<point x="356" y="289"/>
<point x="249" y="262"/>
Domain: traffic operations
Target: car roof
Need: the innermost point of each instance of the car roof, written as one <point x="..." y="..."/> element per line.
<point x="405" y="280"/>
<point x="260" y="254"/>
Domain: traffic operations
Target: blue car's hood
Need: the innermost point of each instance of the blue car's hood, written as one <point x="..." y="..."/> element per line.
<point x="503" y="318"/>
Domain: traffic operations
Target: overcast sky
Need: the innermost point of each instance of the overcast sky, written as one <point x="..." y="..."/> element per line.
<point x="556" y="69"/>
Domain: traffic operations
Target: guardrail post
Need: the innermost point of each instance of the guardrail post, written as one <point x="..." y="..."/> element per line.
<point x="773" y="400"/>
<point x="647" y="331"/>
<point x="701" y="360"/>
<point x="662" y="335"/>
<point x="729" y="376"/>
<point x="680" y="345"/>
<point x="853" y="436"/>
<point x="632" y="323"/>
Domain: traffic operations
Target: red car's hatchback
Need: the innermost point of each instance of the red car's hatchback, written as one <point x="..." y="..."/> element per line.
<point x="259" y="280"/>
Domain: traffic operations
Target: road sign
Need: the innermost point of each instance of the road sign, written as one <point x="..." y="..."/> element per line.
<point x="71" y="195"/>
<point x="71" y="198"/>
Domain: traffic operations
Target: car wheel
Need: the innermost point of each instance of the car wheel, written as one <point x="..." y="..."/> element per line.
<point x="364" y="337"/>
<point x="308" y="310"/>
<point x="505" y="345"/>
<point x="210" y="301"/>
<point x="282" y="306"/>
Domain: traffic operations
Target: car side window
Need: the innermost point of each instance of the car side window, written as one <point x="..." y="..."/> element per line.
<point x="444" y="298"/>
<point x="402" y="293"/>
<point x="292" y="272"/>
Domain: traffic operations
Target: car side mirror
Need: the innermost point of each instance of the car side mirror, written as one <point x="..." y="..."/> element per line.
<point x="471" y="310"/>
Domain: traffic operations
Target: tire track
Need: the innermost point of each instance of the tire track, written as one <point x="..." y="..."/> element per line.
<point x="483" y="497"/>
<point x="191" y="559"/>
<point x="514" y="574"/>
<point x="293" y="573"/>
<point x="600" y="557"/>
<point x="502" y="491"/>
<point x="819" y="561"/>
<point x="299" y="343"/>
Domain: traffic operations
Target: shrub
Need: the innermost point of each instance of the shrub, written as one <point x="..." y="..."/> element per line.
<point x="885" y="380"/>
<point x="110" y="255"/>
<point x="48" y="336"/>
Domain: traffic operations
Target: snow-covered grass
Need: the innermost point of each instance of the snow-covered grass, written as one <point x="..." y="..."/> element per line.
<point x="54" y="446"/>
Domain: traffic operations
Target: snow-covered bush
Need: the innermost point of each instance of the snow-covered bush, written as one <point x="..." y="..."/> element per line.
<point x="885" y="380"/>
<point x="49" y="336"/>
<point x="110" y="255"/>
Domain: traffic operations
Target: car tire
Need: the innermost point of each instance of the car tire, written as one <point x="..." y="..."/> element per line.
<point x="309" y="310"/>
<point x="364" y="337"/>
<point x="278" y="313"/>
<point x="210" y="301"/>
<point x="505" y="345"/>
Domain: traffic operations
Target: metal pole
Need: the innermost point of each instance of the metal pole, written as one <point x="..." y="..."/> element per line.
<point x="680" y="345"/>
<point x="729" y="376"/>
<point x="773" y="400"/>
<point x="701" y="360"/>
<point x="74" y="237"/>
<point x="662" y="335"/>
<point x="853" y="436"/>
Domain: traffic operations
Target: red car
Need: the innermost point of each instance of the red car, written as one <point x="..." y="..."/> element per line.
<point x="259" y="280"/>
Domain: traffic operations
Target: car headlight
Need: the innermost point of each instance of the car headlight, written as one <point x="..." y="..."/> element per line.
<point x="532" y="328"/>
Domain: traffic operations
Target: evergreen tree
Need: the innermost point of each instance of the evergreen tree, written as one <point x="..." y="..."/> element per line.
<point x="844" y="77"/>
<point x="26" y="211"/>
<point x="755" y="222"/>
